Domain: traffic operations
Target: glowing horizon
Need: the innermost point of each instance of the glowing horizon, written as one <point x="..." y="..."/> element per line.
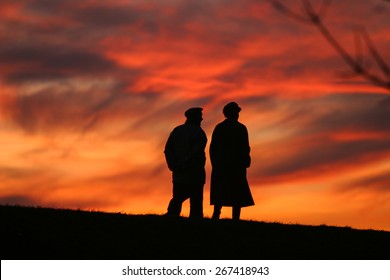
<point x="90" y="91"/>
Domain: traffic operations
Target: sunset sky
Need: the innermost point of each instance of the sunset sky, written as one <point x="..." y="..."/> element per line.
<point x="90" y="90"/>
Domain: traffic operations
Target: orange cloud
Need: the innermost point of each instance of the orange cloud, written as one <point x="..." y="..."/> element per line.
<point x="90" y="91"/>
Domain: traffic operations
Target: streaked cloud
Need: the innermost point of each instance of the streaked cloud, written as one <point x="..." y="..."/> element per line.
<point x="89" y="92"/>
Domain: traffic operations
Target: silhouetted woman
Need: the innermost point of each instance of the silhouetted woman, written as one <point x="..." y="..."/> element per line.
<point x="230" y="157"/>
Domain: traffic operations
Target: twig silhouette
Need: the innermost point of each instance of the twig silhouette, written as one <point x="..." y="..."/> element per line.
<point x="355" y="62"/>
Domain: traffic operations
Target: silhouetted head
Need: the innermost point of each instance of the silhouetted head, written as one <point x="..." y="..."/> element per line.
<point x="231" y="110"/>
<point x="194" y="115"/>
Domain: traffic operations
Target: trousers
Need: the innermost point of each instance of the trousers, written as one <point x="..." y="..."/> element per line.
<point x="182" y="192"/>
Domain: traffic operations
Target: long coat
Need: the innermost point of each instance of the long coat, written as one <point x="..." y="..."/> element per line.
<point x="185" y="155"/>
<point x="230" y="157"/>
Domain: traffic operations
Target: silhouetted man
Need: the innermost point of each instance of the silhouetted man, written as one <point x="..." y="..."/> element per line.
<point x="185" y="156"/>
<point x="230" y="157"/>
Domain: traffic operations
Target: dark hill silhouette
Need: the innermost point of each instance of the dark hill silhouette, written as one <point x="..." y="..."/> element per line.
<point x="42" y="233"/>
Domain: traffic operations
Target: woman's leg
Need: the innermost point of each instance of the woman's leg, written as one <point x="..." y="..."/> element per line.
<point x="236" y="212"/>
<point x="217" y="212"/>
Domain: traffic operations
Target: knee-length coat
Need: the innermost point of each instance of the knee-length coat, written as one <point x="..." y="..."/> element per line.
<point x="230" y="157"/>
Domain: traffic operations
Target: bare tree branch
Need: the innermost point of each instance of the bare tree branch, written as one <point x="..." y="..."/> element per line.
<point x="376" y="55"/>
<point x="283" y="9"/>
<point x="324" y="8"/>
<point x="356" y="63"/>
<point x="359" y="55"/>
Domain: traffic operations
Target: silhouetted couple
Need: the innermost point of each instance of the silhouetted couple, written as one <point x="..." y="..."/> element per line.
<point x="230" y="157"/>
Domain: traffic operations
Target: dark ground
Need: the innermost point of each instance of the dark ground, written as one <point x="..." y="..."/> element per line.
<point x="41" y="233"/>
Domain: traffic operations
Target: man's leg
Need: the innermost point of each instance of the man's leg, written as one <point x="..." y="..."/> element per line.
<point x="196" y="201"/>
<point x="180" y="194"/>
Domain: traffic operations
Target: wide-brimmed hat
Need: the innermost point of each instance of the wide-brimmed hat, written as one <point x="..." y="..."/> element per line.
<point x="231" y="108"/>
<point x="192" y="113"/>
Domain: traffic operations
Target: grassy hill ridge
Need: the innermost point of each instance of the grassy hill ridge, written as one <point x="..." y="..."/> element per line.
<point x="44" y="233"/>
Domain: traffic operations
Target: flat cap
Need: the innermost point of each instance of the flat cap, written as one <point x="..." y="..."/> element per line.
<point x="195" y="112"/>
